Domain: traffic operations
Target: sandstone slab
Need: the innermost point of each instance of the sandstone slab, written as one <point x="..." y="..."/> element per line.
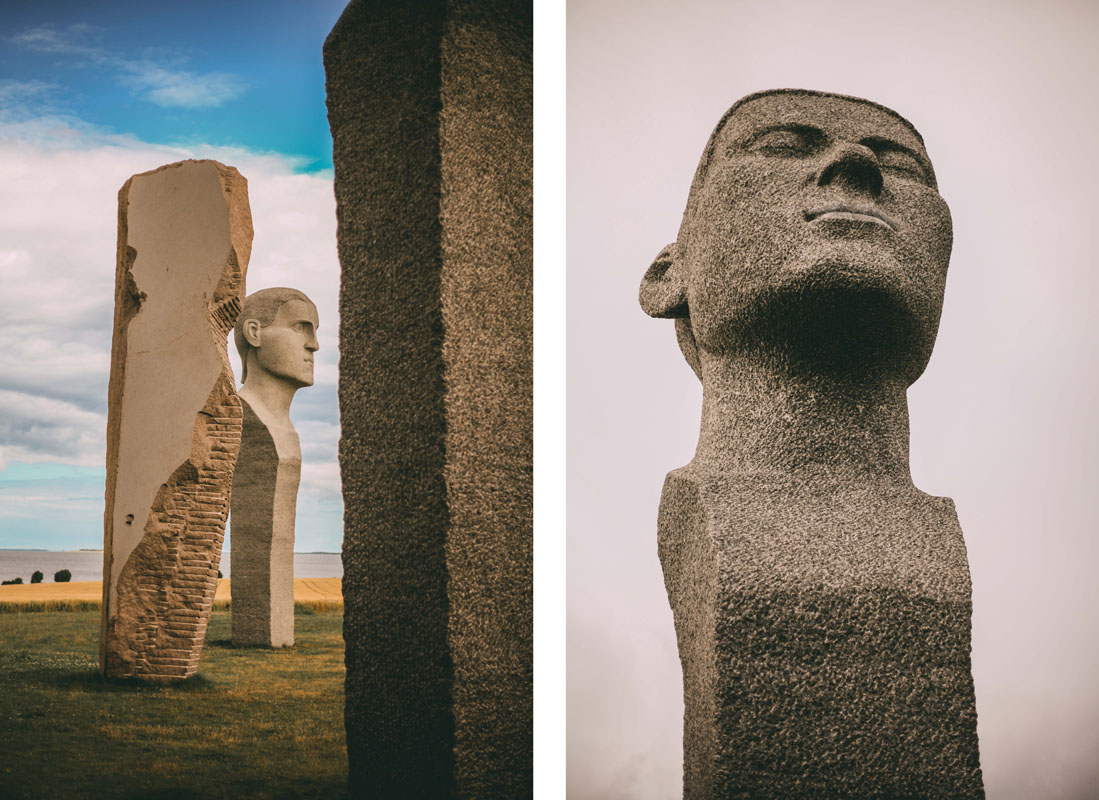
<point x="174" y="420"/>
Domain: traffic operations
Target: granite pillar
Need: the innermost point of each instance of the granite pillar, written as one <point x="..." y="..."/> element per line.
<point x="430" y="107"/>
<point x="174" y="419"/>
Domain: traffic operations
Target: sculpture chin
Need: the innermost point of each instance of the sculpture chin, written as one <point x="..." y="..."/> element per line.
<point x="298" y="380"/>
<point x="302" y="379"/>
<point x="855" y="318"/>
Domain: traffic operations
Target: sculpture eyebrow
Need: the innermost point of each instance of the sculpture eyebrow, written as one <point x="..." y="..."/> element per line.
<point x="816" y="134"/>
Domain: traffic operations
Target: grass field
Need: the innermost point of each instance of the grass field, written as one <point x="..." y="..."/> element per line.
<point x="253" y="723"/>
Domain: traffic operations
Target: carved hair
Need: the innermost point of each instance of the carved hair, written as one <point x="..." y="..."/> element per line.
<point x="262" y="306"/>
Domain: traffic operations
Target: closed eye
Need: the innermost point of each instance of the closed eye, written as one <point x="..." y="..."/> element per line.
<point x="786" y="140"/>
<point x="894" y="158"/>
<point x="900" y="162"/>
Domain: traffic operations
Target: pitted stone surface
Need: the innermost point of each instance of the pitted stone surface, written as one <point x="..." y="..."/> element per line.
<point x="430" y="109"/>
<point x="822" y="603"/>
<point x="174" y="420"/>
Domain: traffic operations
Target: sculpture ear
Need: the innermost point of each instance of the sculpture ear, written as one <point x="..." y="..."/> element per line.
<point x="251" y="329"/>
<point x="663" y="291"/>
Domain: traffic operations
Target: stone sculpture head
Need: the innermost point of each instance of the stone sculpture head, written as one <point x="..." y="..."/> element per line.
<point x="815" y="234"/>
<point x="276" y="333"/>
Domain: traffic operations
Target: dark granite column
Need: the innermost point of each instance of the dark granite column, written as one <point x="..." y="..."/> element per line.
<point x="430" y="107"/>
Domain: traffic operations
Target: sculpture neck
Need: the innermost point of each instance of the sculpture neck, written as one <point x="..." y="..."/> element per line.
<point x="761" y="417"/>
<point x="270" y="397"/>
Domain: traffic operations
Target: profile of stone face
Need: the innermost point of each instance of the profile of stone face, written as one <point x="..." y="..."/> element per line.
<point x="276" y="336"/>
<point x="822" y="603"/>
<point x="173" y="420"/>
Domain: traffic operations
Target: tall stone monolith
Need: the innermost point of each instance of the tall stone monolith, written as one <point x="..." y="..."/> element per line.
<point x="174" y="419"/>
<point x="822" y="602"/>
<point x="430" y="107"/>
<point x="276" y="336"/>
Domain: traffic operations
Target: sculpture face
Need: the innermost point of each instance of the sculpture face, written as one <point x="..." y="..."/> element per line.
<point x="809" y="197"/>
<point x="286" y="346"/>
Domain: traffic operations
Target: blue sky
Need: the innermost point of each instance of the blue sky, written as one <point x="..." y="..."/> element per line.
<point x="90" y="94"/>
<point x="247" y="74"/>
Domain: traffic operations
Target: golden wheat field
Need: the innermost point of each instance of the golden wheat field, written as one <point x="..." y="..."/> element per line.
<point x="306" y="590"/>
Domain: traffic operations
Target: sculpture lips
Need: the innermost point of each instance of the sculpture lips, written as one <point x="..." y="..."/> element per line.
<point x="851" y="212"/>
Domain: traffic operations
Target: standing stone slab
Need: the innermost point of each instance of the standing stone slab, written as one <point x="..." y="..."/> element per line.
<point x="174" y="420"/>
<point x="430" y="109"/>
<point x="822" y="602"/>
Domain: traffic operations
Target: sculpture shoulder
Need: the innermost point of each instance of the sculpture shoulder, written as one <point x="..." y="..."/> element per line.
<point x="283" y="435"/>
<point x="694" y="481"/>
<point x="682" y="499"/>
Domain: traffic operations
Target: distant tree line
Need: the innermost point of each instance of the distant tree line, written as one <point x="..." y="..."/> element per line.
<point x="61" y="576"/>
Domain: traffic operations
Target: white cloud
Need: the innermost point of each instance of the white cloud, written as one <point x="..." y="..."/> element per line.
<point x="155" y="82"/>
<point x="35" y="506"/>
<point x="35" y="428"/>
<point x="181" y="89"/>
<point x="57" y="253"/>
<point x="48" y="39"/>
<point x="12" y="91"/>
<point x="320" y="480"/>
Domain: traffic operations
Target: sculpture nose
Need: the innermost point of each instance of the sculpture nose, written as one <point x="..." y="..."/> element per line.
<point x="853" y="167"/>
<point x="312" y="345"/>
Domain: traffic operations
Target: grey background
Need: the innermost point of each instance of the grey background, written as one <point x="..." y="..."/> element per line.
<point x="1003" y="421"/>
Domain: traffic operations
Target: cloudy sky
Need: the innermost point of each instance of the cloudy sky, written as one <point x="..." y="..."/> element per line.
<point x="90" y="94"/>
<point x="1004" y="420"/>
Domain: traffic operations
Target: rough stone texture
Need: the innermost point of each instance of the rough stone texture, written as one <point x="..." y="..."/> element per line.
<point x="430" y="107"/>
<point x="822" y="603"/>
<point x="174" y="420"/>
<point x="265" y="492"/>
<point x="276" y="337"/>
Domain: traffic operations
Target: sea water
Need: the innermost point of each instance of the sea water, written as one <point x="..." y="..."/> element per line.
<point x="87" y="565"/>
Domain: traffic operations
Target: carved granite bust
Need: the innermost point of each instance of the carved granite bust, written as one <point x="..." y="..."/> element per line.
<point x="276" y="338"/>
<point x="822" y="602"/>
